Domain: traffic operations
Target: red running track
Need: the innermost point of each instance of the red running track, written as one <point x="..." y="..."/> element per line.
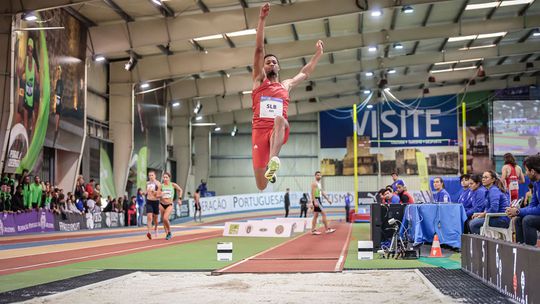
<point x="38" y="261"/>
<point x="306" y="253"/>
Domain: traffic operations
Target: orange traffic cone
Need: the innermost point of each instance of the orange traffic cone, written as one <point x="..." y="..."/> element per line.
<point x="436" y="248"/>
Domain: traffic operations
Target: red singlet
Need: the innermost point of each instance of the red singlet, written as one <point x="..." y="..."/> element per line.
<point x="269" y="100"/>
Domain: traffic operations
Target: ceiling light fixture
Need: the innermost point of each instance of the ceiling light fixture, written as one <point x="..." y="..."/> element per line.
<point x="407" y="9"/>
<point x="477" y="47"/>
<point x="234" y="131"/>
<point x="369" y="74"/>
<point x="197" y="108"/>
<point x="367" y="92"/>
<point x="372" y="48"/>
<point x="199" y="117"/>
<point x="477" y="6"/>
<point x="176" y="104"/>
<point x="145" y="85"/>
<point x="130" y="65"/>
<point x="458" y="61"/>
<point x="491" y="35"/>
<point x="217" y="129"/>
<point x="515" y="2"/>
<point x="30" y="16"/>
<point x="398" y="46"/>
<point x="369" y="106"/>
<point x="99" y="58"/>
<point x="492" y="4"/>
<point x="211" y="37"/>
<point x="461" y="38"/>
<point x="466" y="68"/>
<point x="454" y="69"/>
<point x="376" y="13"/>
<point x="242" y="33"/>
<point x="479" y="36"/>
<point x="157" y="2"/>
<point x="446" y="62"/>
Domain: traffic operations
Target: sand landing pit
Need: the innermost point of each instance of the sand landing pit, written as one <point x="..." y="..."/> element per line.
<point x="376" y="286"/>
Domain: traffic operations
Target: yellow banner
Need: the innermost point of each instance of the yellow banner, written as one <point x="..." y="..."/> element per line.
<point x="422" y="171"/>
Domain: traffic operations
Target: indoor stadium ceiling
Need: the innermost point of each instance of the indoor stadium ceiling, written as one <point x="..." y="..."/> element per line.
<point x="203" y="49"/>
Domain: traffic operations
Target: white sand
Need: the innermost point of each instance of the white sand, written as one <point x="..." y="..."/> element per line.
<point x="402" y="286"/>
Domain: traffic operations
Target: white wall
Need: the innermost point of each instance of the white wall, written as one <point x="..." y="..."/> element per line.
<point x="97" y="107"/>
<point x="97" y="81"/>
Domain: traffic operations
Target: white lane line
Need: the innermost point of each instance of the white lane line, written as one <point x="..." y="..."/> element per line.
<point x="344" y="250"/>
<point x="258" y="254"/>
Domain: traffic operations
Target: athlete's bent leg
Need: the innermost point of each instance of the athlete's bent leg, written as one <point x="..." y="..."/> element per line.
<point x="166" y="222"/>
<point x="161" y="212"/>
<point x="261" y="181"/>
<point x="278" y="135"/>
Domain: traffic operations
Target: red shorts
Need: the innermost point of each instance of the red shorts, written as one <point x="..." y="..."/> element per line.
<point x="260" y="146"/>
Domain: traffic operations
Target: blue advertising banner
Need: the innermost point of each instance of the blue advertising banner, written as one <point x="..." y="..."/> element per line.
<point x="428" y="121"/>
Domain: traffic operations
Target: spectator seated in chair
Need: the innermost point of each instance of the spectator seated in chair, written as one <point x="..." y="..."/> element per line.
<point x="527" y="219"/>
<point x="496" y="202"/>
<point x="476" y="199"/>
<point x="440" y="195"/>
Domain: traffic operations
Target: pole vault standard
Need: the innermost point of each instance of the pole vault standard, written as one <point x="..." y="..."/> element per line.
<point x="464" y="135"/>
<point x="355" y="143"/>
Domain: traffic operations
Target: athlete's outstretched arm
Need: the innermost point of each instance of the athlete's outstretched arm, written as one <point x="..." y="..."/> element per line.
<point x="258" y="60"/>
<point x="306" y="71"/>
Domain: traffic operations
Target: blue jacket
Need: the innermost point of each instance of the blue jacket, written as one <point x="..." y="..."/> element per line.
<point x="534" y="206"/>
<point x="79" y="204"/>
<point x="140" y="200"/>
<point x="395" y="199"/>
<point x="477" y="201"/>
<point x="347" y="201"/>
<point x="464" y="198"/>
<point x="496" y="201"/>
<point x="442" y="196"/>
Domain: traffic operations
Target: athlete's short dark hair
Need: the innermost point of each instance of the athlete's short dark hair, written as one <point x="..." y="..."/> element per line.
<point x="532" y="162"/>
<point x="271" y="55"/>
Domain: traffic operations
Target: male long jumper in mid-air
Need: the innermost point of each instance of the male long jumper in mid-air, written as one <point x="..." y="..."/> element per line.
<point x="270" y="104"/>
